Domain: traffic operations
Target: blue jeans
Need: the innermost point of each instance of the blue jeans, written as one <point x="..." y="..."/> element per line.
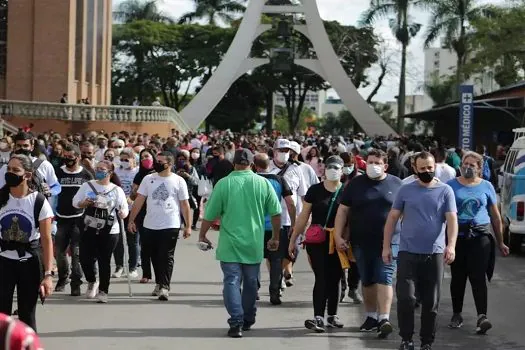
<point x="240" y="304"/>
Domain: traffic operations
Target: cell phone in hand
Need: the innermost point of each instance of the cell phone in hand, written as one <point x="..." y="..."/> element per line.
<point x="42" y="294"/>
<point x="204" y="246"/>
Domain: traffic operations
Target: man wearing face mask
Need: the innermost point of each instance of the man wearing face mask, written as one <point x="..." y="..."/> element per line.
<point x="102" y="147"/>
<point x="218" y="167"/>
<point x="426" y="205"/>
<point x="293" y="175"/>
<point x="47" y="181"/>
<point x="365" y="205"/>
<point x="5" y="152"/>
<point x="167" y="198"/>
<point x="70" y="224"/>
<point x="87" y="155"/>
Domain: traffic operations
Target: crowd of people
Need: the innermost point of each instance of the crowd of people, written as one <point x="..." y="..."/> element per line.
<point x="367" y="211"/>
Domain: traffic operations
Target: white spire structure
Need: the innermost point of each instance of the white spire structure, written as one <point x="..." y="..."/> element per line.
<point x="237" y="61"/>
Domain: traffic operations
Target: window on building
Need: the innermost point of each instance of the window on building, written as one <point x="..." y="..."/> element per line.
<point x="78" y="40"/>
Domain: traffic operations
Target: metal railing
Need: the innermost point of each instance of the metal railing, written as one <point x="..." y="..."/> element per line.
<point x="78" y="112"/>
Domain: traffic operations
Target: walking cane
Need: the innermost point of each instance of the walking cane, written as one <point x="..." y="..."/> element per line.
<point x="126" y="257"/>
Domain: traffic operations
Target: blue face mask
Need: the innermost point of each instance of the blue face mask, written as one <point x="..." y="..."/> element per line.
<point x="99" y="174"/>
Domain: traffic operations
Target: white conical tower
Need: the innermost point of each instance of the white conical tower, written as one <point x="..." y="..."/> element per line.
<point x="237" y="62"/>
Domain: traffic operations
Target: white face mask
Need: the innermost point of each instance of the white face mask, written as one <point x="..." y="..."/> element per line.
<point x="347" y="170"/>
<point x="125" y="165"/>
<point x="333" y="174"/>
<point x="282" y="157"/>
<point x="374" y="171"/>
<point x="195" y="156"/>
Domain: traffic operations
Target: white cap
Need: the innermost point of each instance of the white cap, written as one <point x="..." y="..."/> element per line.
<point x="294" y="146"/>
<point x="282" y="143"/>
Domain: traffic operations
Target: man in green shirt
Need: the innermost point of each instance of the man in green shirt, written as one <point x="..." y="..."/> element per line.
<point x="242" y="200"/>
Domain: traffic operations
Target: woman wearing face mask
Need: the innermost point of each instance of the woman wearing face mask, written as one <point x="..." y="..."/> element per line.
<point x="126" y="172"/>
<point x="147" y="159"/>
<point x="351" y="283"/>
<point x="190" y="175"/>
<point x="102" y="201"/>
<point x="321" y="203"/>
<point x="196" y="162"/>
<point x="475" y="248"/>
<point x="26" y="248"/>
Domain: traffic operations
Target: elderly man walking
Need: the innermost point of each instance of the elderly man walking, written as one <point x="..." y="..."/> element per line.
<point x="242" y="200"/>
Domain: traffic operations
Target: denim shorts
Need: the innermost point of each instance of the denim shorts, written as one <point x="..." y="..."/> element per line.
<point x="371" y="267"/>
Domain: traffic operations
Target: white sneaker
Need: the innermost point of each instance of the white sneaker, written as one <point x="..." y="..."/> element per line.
<point x="164" y="294"/>
<point x="133" y="274"/>
<point x="283" y="285"/>
<point x="102" y="298"/>
<point x="156" y="291"/>
<point x="92" y="290"/>
<point x="118" y="272"/>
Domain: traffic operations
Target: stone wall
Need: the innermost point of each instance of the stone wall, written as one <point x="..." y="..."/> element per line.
<point x="67" y="126"/>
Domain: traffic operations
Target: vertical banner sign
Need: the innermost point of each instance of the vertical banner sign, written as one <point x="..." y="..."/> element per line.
<point x="466" y="117"/>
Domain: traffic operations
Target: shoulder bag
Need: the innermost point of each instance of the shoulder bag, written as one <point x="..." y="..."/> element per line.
<point x="316" y="234"/>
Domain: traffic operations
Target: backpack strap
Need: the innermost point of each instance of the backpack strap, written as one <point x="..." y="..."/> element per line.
<point x="37" y="163"/>
<point x="39" y="203"/>
<point x="93" y="187"/>
<point x="283" y="170"/>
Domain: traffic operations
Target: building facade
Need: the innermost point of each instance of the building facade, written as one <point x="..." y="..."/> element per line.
<point x="443" y="62"/>
<point x="53" y="47"/>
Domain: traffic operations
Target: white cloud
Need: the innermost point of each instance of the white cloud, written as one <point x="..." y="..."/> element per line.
<point x="349" y="12"/>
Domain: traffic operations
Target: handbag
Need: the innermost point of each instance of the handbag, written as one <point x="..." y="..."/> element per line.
<point x="316" y="234"/>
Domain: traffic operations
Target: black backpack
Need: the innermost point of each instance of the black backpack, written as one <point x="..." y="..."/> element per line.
<point x="99" y="220"/>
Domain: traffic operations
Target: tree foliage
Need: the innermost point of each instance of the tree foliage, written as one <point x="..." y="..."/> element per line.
<point x="498" y="43"/>
<point x="214" y="11"/>
<point x="441" y="90"/>
<point x="174" y="57"/>
<point x="403" y="28"/>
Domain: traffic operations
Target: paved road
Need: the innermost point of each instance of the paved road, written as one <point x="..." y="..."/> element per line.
<point x="194" y="317"/>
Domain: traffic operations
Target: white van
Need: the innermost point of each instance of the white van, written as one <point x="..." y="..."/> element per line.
<point x="512" y="184"/>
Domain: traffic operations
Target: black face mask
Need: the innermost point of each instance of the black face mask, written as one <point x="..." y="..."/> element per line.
<point x="159" y="167"/>
<point x="25" y="152"/>
<point x="426" y="176"/>
<point x="13" y="180"/>
<point x="69" y="162"/>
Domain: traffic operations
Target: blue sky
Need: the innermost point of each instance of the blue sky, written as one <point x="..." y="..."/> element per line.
<point x="348" y="12"/>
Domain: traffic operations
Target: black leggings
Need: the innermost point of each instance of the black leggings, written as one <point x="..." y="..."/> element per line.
<point x="197" y="210"/>
<point x="145" y="252"/>
<point x="327" y="270"/>
<point x="472" y="258"/>
<point x="353" y="278"/>
<point x="26" y="276"/>
<point x="97" y="247"/>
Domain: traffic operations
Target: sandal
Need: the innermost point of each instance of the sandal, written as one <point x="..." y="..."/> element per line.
<point x="144" y="280"/>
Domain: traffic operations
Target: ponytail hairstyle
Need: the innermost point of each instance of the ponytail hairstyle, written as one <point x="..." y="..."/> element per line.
<point x="27" y="165"/>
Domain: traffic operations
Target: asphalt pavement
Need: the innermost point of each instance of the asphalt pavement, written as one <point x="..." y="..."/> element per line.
<point x="195" y="318"/>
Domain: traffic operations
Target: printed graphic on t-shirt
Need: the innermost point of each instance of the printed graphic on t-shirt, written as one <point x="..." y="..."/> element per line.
<point x="16" y="226"/>
<point x="469" y="209"/>
<point x="161" y="194"/>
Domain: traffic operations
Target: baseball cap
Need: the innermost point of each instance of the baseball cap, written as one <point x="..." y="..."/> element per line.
<point x="334" y="160"/>
<point x="243" y="156"/>
<point x="294" y="146"/>
<point x="282" y="143"/>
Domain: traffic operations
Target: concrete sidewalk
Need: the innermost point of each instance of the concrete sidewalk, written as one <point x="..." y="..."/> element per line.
<point x="195" y="318"/>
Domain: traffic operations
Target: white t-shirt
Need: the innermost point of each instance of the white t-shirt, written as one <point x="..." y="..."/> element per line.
<point x="164" y="195"/>
<point x="310" y="178"/>
<point x="445" y="172"/>
<point x="110" y="195"/>
<point x="17" y="222"/>
<point x="295" y="180"/>
<point x="126" y="177"/>
<point x="45" y="170"/>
